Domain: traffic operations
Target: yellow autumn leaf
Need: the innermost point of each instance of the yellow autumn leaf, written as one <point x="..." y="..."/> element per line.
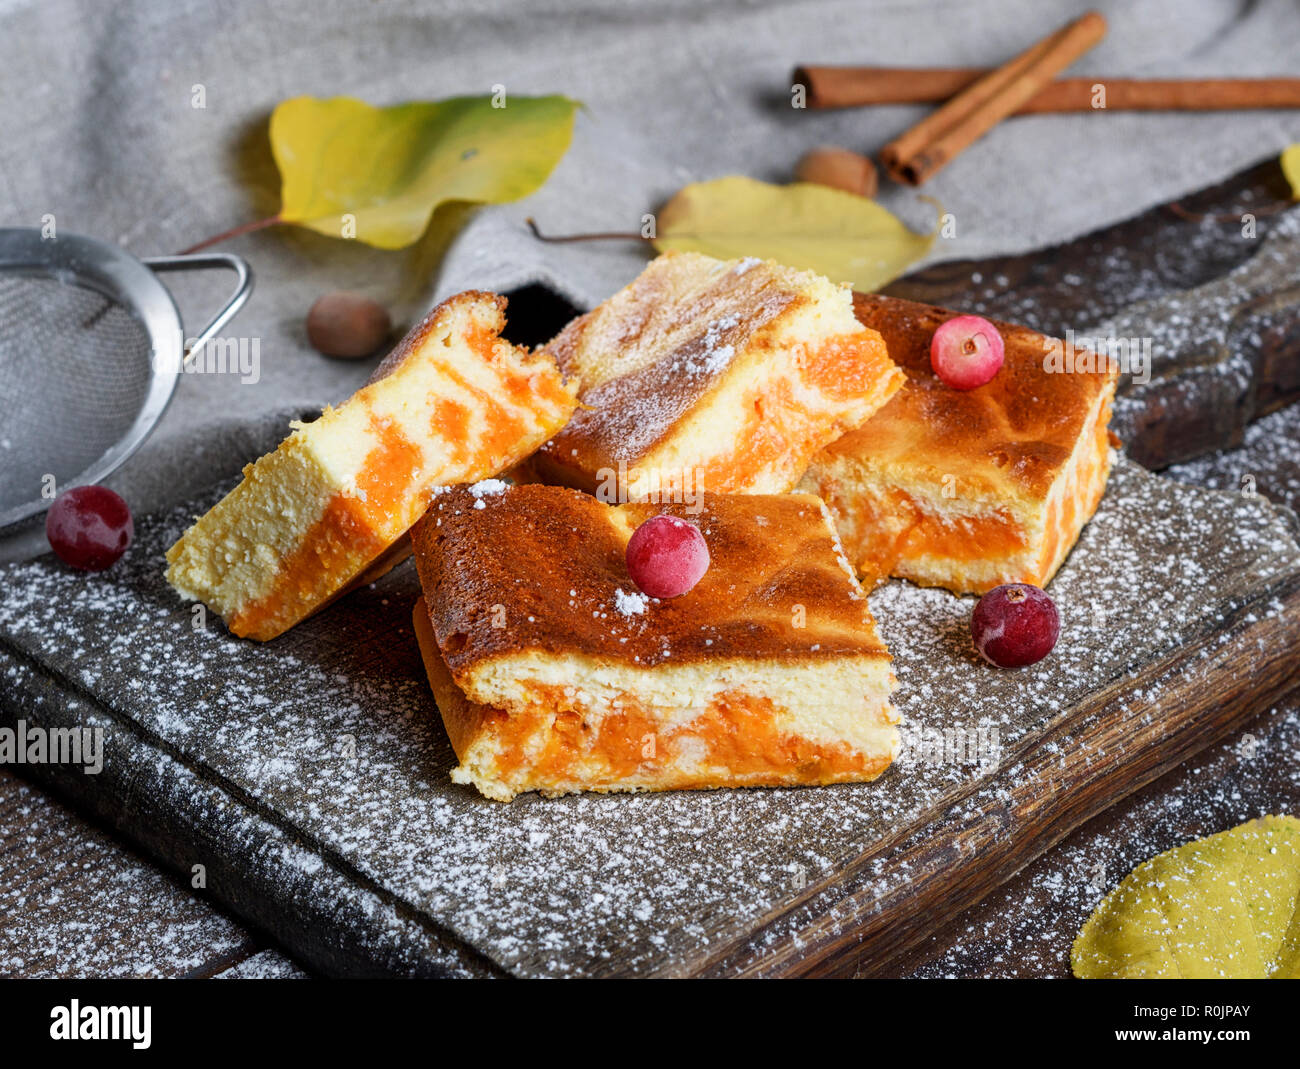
<point x="1224" y="906"/>
<point x="1291" y="168"/>
<point x="348" y="169"/>
<point x="841" y="235"/>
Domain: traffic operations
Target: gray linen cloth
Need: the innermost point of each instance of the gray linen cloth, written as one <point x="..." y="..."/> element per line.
<point x="98" y="129"/>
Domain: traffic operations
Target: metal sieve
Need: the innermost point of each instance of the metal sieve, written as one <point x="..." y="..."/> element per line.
<point x="90" y="347"/>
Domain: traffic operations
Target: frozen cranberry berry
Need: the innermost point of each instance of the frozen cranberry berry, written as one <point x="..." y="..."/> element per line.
<point x="1015" y="625"/>
<point x="966" y="352"/>
<point x="666" y="556"/>
<point x="89" y="527"/>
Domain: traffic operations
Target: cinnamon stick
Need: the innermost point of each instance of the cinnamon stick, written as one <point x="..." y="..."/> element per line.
<point x="849" y="87"/>
<point x="937" y="139"/>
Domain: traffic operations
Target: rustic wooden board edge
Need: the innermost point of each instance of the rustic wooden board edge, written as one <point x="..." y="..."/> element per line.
<point x="214" y="784"/>
<point x="1212" y="804"/>
<point x="870" y="932"/>
<point x="59" y="873"/>
<point x="195" y="813"/>
<point x="1161" y="239"/>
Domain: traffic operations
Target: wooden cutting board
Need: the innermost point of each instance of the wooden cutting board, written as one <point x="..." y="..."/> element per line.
<point x="306" y="781"/>
<point x="308" y="777"/>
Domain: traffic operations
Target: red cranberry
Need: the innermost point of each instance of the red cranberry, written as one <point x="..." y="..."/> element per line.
<point x="966" y="352"/>
<point x="1015" y="625"/>
<point x="89" y="527"/>
<point x="667" y="556"/>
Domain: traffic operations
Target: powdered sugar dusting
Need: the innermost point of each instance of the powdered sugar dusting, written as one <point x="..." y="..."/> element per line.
<point x="1267" y="464"/>
<point x="1026" y="928"/>
<point x="266" y="965"/>
<point x="332" y="730"/>
<point x="53" y="924"/>
<point x="633" y="604"/>
<point x="713" y="356"/>
<point x="487" y="488"/>
<point x="673" y="339"/>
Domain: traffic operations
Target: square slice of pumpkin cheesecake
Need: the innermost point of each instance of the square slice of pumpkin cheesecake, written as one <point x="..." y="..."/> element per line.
<point x="328" y="509"/>
<point x="725" y="375"/>
<point x="970" y="489"/>
<point x="554" y="673"/>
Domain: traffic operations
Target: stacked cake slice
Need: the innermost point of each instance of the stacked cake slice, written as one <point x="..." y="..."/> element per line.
<point x="330" y="507"/>
<point x="706" y="390"/>
<point x="969" y="489"/>
<point x="730" y="374"/>
<point x="553" y="673"/>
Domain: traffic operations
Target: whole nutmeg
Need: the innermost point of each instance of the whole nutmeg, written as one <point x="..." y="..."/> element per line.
<point x="347" y="325"/>
<point x="840" y="169"/>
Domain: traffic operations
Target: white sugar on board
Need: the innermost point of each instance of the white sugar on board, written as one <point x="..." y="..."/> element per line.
<point x="392" y="815"/>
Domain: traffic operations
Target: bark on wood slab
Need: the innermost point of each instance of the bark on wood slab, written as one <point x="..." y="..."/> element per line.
<point x="309" y="775"/>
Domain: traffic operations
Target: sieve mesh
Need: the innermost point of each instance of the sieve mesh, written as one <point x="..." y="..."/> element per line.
<point x="80" y="321"/>
<point x="75" y="369"/>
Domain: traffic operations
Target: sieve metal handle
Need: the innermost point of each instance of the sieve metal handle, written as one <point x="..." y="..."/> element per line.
<point x="204" y="261"/>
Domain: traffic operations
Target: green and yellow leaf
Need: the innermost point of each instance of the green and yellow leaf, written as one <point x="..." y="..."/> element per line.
<point x="348" y="169"/>
<point x="843" y="236"/>
<point x="1291" y="168"/>
<point x="1224" y="906"/>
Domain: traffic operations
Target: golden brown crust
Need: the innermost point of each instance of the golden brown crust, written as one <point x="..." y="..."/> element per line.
<point x="699" y="355"/>
<point x="624" y="417"/>
<point x="544" y="563"/>
<point x="734" y="740"/>
<point x="468" y="301"/>
<point x="328" y="509"/>
<point x="1016" y="432"/>
<point x="460" y="716"/>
